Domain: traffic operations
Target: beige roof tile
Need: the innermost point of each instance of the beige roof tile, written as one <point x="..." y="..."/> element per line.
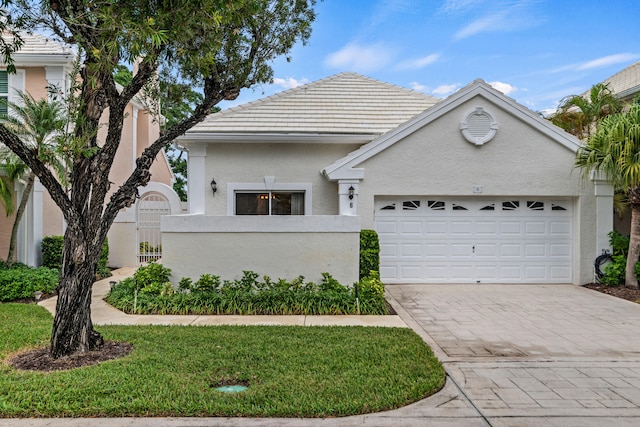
<point x="626" y="82"/>
<point x="36" y="44"/>
<point x="346" y="103"/>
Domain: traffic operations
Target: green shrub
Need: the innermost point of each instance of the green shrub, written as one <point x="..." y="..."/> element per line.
<point x="21" y="282"/>
<point x="52" y="251"/>
<point x="52" y="247"/>
<point x="102" y="270"/>
<point x="206" y="283"/>
<point x="371" y="287"/>
<point x="369" y="253"/>
<point x="619" y="243"/>
<point x="151" y="278"/>
<point x="247" y="295"/>
<point x="614" y="272"/>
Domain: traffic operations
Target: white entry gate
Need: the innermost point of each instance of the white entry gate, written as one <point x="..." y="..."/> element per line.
<point x="150" y="208"/>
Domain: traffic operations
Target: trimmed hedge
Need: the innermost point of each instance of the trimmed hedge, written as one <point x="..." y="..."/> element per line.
<point x="150" y="292"/>
<point x="369" y="253"/>
<point x="52" y="251"/>
<point x="52" y="254"/>
<point x="20" y="282"/>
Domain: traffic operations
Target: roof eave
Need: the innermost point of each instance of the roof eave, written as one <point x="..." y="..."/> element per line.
<point x="36" y="59"/>
<point x="280" y="137"/>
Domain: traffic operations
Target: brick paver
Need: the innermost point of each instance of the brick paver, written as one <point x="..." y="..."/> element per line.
<point x="532" y="351"/>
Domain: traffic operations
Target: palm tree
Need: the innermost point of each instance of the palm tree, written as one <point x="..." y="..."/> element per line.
<point x="36" y="122"/>
<point x="578" y="115"/>
<point x="614" y="150"/>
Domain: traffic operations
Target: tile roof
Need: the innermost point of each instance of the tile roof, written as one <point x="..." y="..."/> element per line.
<point x="626" y="82"/>
<point x="36" y="44"/>
<point x="345" y="103"/>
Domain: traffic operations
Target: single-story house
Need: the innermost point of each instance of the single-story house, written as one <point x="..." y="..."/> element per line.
<point x="475" y="188"/>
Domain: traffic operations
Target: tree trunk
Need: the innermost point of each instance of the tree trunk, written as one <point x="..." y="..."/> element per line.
<point x="72" y="327"/>
<point x="18" y="218"/>
<point x="634" y="247"/>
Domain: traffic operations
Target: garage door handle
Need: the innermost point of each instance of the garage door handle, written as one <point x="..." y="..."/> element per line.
<point x="473" y="248"/>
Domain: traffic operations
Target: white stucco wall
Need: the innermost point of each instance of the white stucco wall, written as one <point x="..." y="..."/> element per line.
<point x="279" y="247"/>
<point x="286" y="162"/>
<point x="437" y="160"/>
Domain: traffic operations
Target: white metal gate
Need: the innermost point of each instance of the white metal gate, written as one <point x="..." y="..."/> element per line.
<point x="150" y="208"/>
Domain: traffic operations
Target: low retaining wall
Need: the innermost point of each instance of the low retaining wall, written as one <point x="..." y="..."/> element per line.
<point x="276" y="246"/>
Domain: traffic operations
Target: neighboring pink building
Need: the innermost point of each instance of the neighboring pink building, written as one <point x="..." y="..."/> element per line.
<point x="134" y="236"/>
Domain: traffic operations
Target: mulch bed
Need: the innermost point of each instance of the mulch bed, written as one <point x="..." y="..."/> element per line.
<point x="40" y="360"/>
<point x="616" y="291"/>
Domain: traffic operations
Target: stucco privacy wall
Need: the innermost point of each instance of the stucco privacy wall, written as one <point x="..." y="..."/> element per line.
<point x="519" y="161"/>
<point x="276" y="246"/>
<point x="245" y="163"/>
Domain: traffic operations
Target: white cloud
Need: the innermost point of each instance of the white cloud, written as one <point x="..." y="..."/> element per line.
<point x="419" y="87"/>
<point x="505" y="88"/>
<point x="486" y="23"/>
<point x="605" y="61"/>
<point x="289" y="82"/>
<point x="455" y="6"/>
<point x="516" y="16"/>
<point x="416" y="64"/>
<point x="360" y="58"/>
<point x="443" y="90"/>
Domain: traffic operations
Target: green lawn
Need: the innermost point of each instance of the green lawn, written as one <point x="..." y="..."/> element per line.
<point x="292" y="371"/>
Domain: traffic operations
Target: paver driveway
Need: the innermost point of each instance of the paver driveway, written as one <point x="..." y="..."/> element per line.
<point x="532" y="354"/>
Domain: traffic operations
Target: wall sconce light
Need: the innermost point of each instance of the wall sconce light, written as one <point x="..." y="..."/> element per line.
<point x="351" y="190"/>
<point x="214" y="185"/>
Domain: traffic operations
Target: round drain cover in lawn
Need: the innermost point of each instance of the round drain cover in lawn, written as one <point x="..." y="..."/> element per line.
<point x="231" y="388"/>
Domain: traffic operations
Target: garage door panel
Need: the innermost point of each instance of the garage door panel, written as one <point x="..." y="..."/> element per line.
<point x="411" y="272"/>
<point x="488" y="228"/>
<point x="511" y="250"/>
<point x="510" y="273"/>
<point x="387" y="270"/>
<point x="436" y="228"/>
<point x="560" y="228"/>
<point x="437" y="273"/>
<point x="535" y="273"/>
<point x="436" y="250"/>
<point x="560" y="250"/>
<point x="511" y="228"/>
<point x="411" y="250"/>
<point x="387" y="228"/>
<point x="388" y="249"/>
<point x="460" y="273"/>
<point x="535" y="228"/>
<point x="411" y="228"/>
<point x="486" y="250"/>
<point x="506" y="240"/>
<point x="486" y="272"/>
<point x="560" y="273"/>
<point x="460" y="250"/>
<point x="535" y="250"/>
<point x="461" y="228"/>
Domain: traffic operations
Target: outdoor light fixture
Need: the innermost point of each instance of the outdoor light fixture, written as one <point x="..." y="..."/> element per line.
<point x="351" y="190"/>
<point x="214" y="185"/>
<point x="37" y="295"/>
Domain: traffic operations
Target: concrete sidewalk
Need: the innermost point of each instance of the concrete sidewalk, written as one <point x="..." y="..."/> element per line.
<point x="104" y="314"/>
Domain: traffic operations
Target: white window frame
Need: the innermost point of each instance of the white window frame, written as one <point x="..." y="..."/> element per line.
<point x="233" y="188"/>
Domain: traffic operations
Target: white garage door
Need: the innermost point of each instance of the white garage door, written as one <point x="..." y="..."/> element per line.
<point x="477" y="240"/>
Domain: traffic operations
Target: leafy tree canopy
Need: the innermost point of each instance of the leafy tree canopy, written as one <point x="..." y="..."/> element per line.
<point x="215" y="47"/>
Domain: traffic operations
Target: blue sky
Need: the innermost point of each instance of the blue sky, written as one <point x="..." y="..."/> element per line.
<point x="535" y="51"/>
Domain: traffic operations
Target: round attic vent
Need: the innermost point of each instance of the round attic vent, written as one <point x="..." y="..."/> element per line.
<point x="478" y="126"/>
